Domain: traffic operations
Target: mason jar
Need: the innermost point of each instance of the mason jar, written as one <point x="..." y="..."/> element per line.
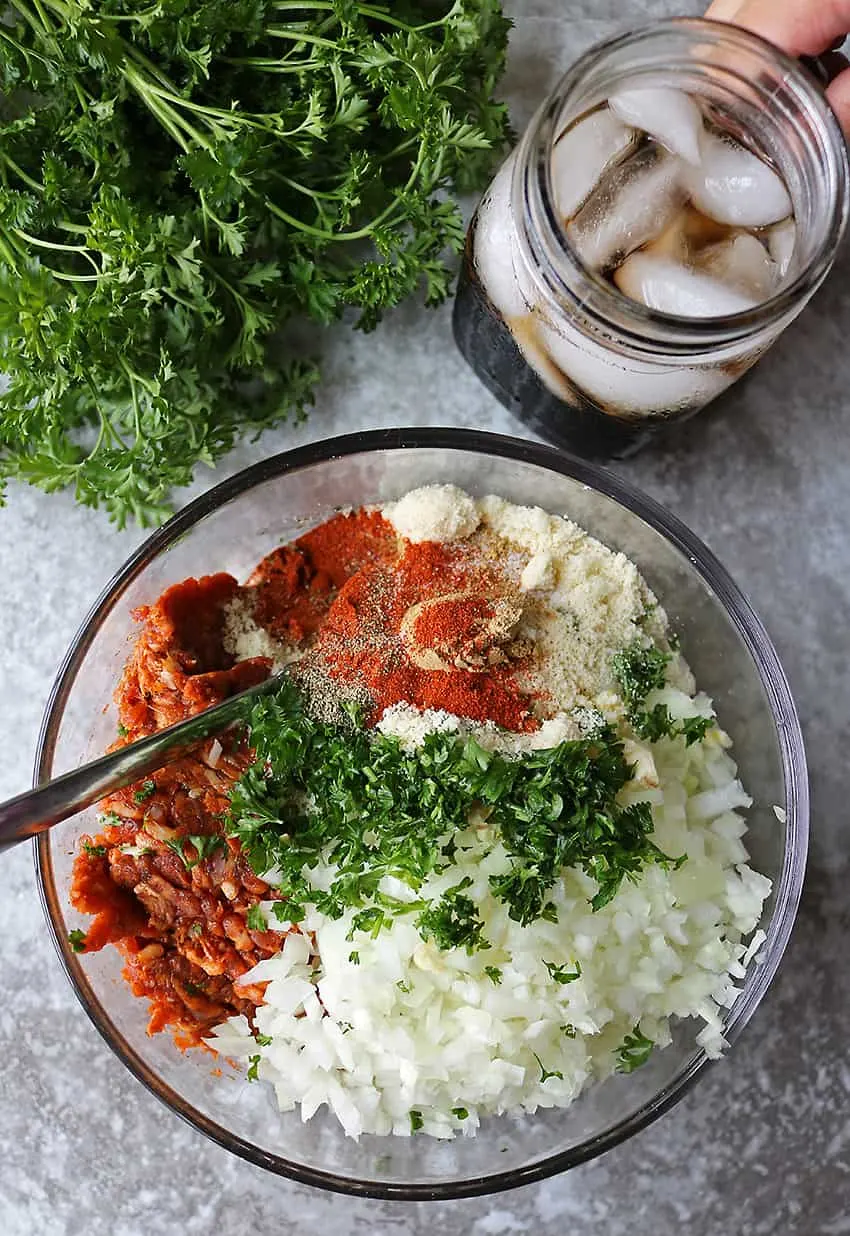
<point x="558" y="342"/>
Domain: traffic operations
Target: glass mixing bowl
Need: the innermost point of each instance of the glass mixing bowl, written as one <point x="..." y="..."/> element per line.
<point x="230" y="529"/>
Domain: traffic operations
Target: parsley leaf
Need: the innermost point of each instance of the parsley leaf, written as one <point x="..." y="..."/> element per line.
<point x="77" y="940"/>
<point x="204" y="845"/>
<point x="561" y="974"/>
<point x="416" y="1121"/>
<point x="94" y="851"/>
<point x="694" y="729"/>
<point x="145" y="791"/>
<point x="634" y="1051"/>
<point x="256" y="919"/>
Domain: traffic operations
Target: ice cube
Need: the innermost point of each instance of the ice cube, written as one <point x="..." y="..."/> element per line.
<point x="622" y="384"/>
<point x="670" y="116"/>
<point x="742" y="263"/>
<point x="734" y="186"/>
<point x="581" y="155"/>
<point x="688" y="234"/>
<point x="526" y="332"/>
<point x="633" y="203"/>
<point x="495" y="254"/>
<point x="668" y="287"/>
<point x="781" y="241"/>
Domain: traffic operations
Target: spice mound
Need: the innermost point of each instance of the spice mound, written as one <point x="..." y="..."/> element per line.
<point x="473" y="856"/>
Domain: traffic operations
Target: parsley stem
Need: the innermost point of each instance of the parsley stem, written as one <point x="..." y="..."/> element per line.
<point x="300" y="36"/>
<point x="32" y="20"/>
<point x="269" y="65"/>
<point x="9" y="254"/>
<point x="378" y="12"/>
<point x="168" y="121"/>
<point x="27" y="52"/>
<point x="107" y="429"/>
<point x="50" y="244"/>
<point x="66" y="278"/>
<point x="361" y="233"/>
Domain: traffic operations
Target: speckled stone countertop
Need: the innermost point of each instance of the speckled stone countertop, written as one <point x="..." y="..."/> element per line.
<point x="761" y="1147"/>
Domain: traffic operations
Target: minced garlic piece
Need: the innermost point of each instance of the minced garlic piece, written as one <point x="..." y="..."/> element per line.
<point x="245" y="639"/>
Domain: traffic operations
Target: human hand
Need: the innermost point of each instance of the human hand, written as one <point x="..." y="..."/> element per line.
<point x="801" y="28"/>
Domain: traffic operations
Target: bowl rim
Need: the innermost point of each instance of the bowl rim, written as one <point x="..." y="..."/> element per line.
<point x="745" y="621"/>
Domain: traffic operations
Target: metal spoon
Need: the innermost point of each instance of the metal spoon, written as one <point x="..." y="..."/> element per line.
<point x="37" y="810"/>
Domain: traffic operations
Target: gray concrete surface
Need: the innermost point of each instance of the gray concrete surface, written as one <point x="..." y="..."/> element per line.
<point x="761" y="1147"/>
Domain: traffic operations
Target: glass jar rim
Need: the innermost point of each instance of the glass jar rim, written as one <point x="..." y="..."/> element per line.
<point x="602" y="302"/>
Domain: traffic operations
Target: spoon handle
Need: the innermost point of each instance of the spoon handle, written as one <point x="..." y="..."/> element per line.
<point x="37" y="810"/>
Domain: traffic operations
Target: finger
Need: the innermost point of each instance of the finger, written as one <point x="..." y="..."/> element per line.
<point x="799" y="29"/>
<point x="838" y="94"/>
<point x="723" y="10"/>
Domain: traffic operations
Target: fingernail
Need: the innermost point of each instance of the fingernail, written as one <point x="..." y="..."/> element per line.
<point x="724" y="10"/>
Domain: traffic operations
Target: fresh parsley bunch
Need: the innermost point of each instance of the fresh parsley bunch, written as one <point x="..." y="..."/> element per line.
<point x="179" y="182"/>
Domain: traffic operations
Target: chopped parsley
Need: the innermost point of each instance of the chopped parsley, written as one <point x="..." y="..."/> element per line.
<point x="568" y="1029"/>
<point x="263" y="1040"/>
<point x="453" y="922"/>
<point x="256" y="919"/>
<point x="639" y="671"/>
<point x="204" y="845"/>
<point x="634" y="1051"/>
<point x="416" y="1121"/>
<point x="370" y="920"/>
<point x="122" y="731"/>
<point x="147" y="788"/>
<point x="545" y="1073"/>
<point x="94" y="851"/>
<point x="317" y="789"/>
<point x="288" y="911"/>
<point x="493" y="973"/>
<point x="253" y="1067"/>
<point x="461" y="1113"/>
<point x="197" y="929"/>
<point x="654" y="723"/>
<point x="354" y="957"/>
<point x="561" y="974"/>
<point x="77" y="940"/>
<point x="694" y="729"/>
